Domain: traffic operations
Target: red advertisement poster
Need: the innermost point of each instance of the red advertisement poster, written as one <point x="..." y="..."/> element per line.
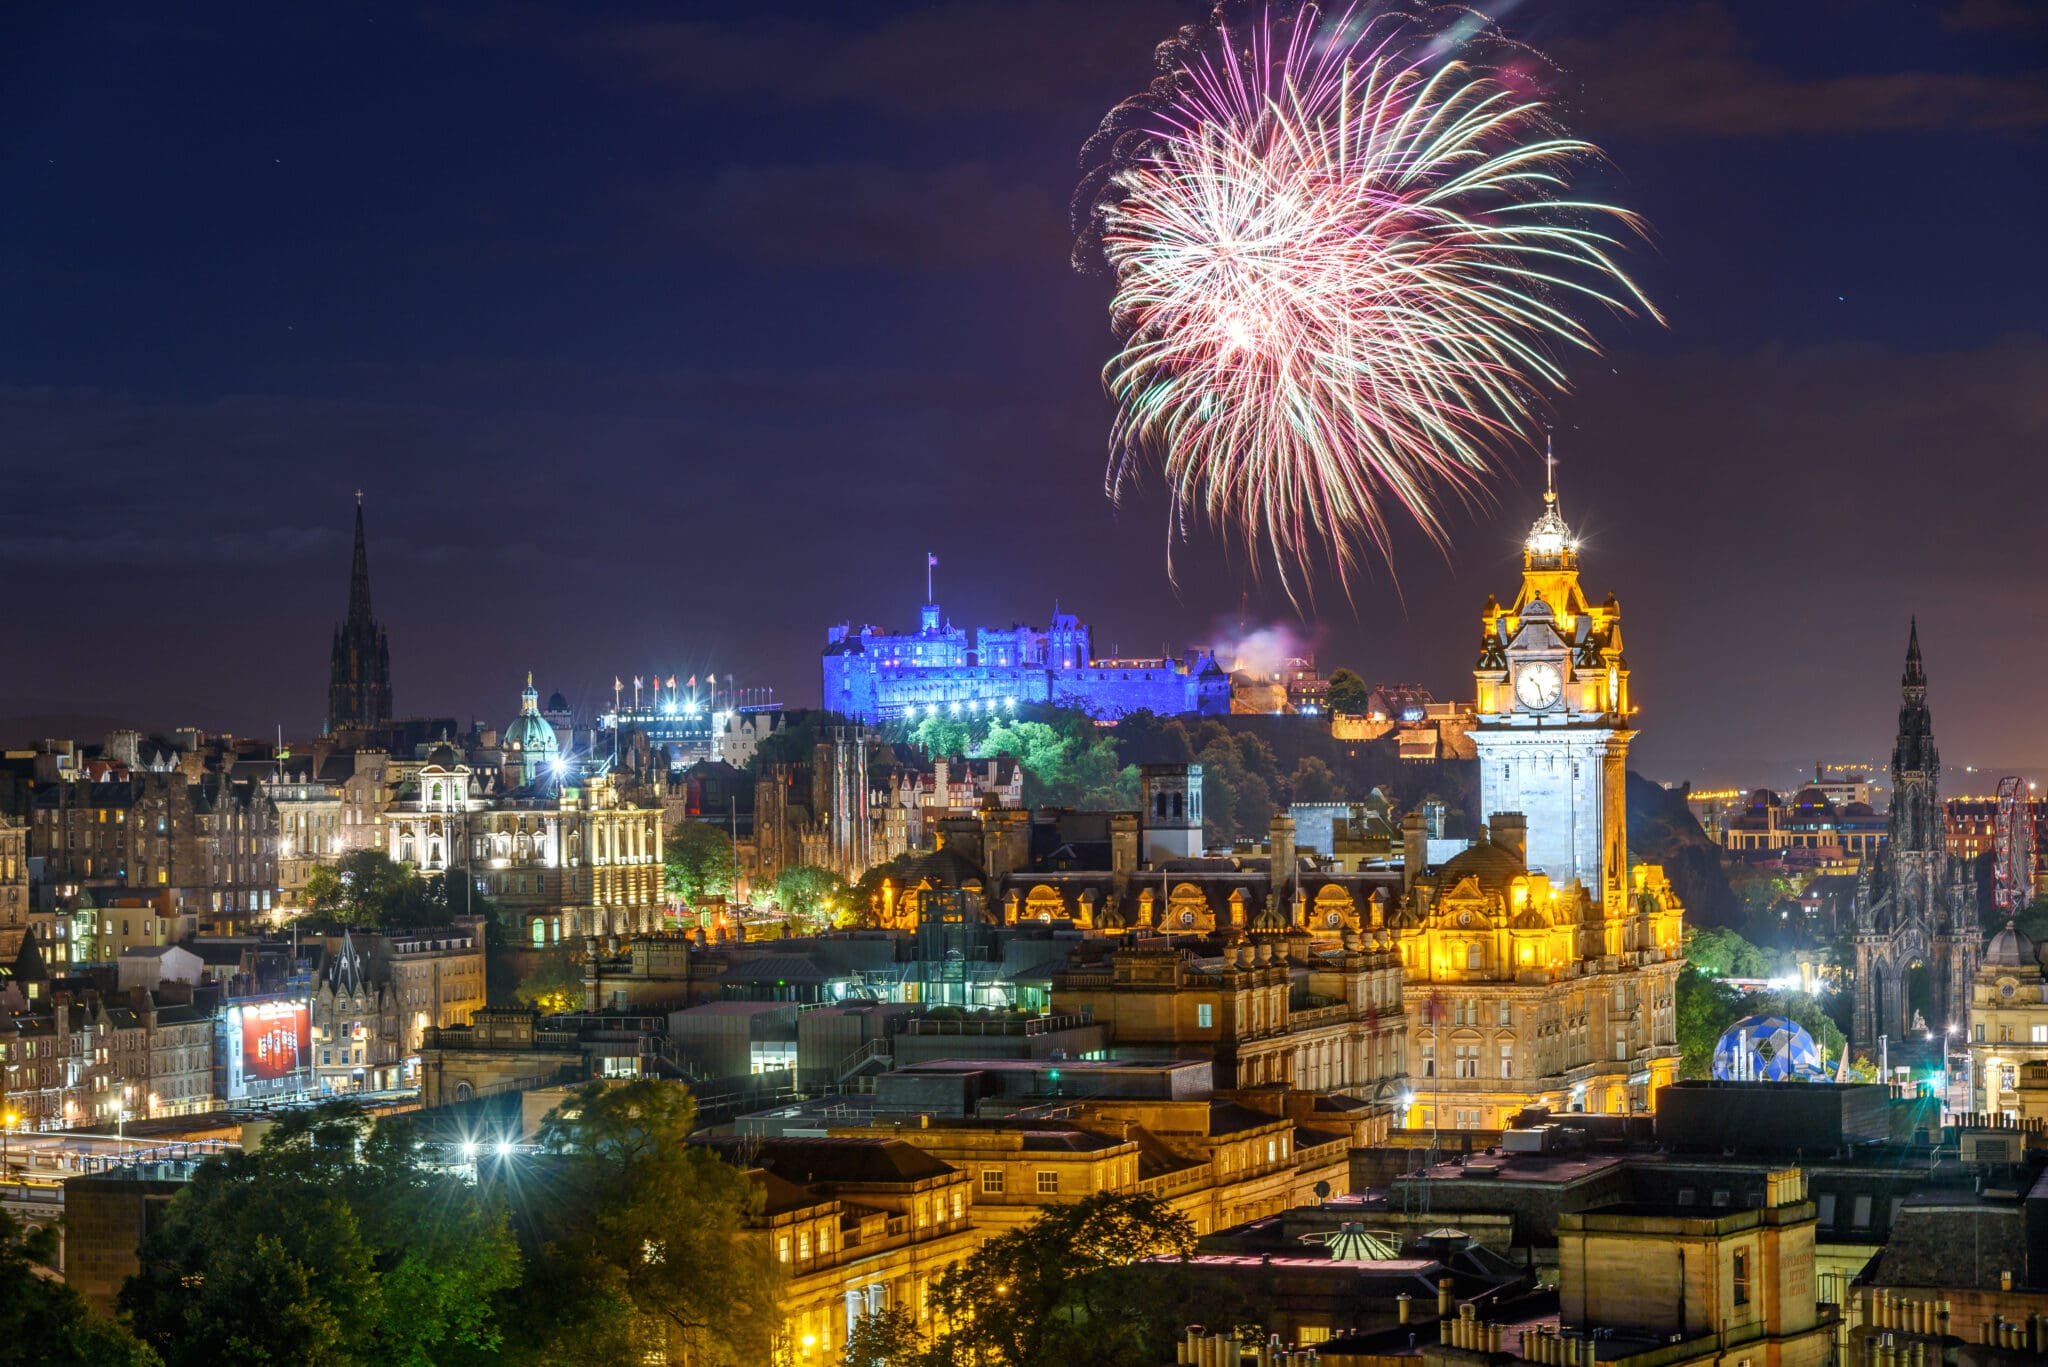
<point x="277" y="1040"/>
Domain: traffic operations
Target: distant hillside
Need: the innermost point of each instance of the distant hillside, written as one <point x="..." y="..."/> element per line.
<point x="1663" y="830"/>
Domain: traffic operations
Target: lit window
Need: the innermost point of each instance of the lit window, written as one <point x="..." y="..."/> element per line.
<point x="1048" y="1183"/>
<point x="1742" y="1276"/>
<point x="1205" y="1016"/>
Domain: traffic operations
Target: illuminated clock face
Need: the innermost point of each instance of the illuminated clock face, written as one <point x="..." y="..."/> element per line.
<point x="1538" y="685"/>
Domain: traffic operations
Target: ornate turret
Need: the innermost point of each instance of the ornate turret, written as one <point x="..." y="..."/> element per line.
<point x="1550" y="544"/>
<point x="359" y="676"/>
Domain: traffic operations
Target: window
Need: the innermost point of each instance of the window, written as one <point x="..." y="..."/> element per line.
<point x="1621" y="1046"/>
<point x="1507" y="1060"/>
<point x="1205" y="1016"/>
<point x="1468" y="1060"/>
<point x="1980" y="1032"/>
<point x="803" y="1240"/>
<point x="2040" y="1034"/>
<point x="1827" y="1208"/>
<point x="1741" y="1276"/>
<point x="1475" y="958"/>
<point x="1507" y="1015"/>
<point x="1861" y="1218"/>
<point x="1429" y="1058"/>
<point x="1048" y="1183"/>
<point x="782" y="1248"/>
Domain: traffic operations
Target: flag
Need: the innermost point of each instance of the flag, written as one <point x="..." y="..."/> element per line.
<point x="711" y="679"/>
<point x="672" y="683"/>
<point x="636" y="681"/>
<point x="617" y="683"/>
<point x="931" y="558"/>
<point x="693" y="681"/>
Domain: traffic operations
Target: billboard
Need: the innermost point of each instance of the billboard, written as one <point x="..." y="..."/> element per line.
<point x="270" y="1046"/>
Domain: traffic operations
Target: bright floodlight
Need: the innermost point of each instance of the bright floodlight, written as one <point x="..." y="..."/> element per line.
<point x="504" y="1148"/>
<point x="469" y="1148"/>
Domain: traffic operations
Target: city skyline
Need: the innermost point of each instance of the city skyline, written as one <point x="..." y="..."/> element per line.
<point x="596" y="370"/>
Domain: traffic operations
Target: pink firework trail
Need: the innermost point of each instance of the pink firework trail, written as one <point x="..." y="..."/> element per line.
<point x="1346" y="263"/>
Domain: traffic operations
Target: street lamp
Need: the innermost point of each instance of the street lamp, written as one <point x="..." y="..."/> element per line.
<point x="7" y="1123"/>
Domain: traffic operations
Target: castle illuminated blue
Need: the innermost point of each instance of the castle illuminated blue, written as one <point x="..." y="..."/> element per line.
<point x="878" y="675"/>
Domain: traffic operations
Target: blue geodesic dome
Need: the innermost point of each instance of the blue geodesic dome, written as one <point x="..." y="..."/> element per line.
<point x="1768" y="1049"/>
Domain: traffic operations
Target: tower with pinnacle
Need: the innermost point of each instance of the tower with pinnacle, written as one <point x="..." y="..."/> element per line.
<point x="359" y="676"/>
<point x="1916" y="907"/>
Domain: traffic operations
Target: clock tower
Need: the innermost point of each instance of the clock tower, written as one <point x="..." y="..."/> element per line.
<point x="1551" y="717"/>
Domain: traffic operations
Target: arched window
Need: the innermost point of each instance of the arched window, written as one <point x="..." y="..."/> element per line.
<point x="1475" y="958"/>
<point x="1177" y="811"/>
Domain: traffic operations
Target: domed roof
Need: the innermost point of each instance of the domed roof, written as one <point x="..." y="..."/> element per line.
<point x="1495" y="867"/>
<point x="444" y="756"/>
<point x="2010" y="949"/>
<point x="530" y="733"/>
<point x="557" y="703"/>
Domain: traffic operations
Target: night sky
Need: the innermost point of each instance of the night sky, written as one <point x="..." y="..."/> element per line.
<point x="665" y="336"/>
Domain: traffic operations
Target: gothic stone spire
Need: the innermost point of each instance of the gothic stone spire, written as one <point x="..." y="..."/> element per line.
<point x="1916" y="765"/>
<point x="359" y="676"/>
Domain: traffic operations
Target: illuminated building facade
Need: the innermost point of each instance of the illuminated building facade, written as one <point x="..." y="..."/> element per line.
<point x="1808" y="820"/>
<point x="875" y="675"/>
<point x="564" y="857"/>
<point x="2008" y="1026"/>
<point x="1541" y="968"/>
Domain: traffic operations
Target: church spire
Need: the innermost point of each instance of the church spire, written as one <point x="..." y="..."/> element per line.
<point x="359" y="573"/>
<point x="1916" y="763"/>
<point x="359" y="676"/>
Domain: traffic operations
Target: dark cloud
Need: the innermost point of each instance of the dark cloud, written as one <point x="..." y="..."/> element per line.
<point x="1989" y="15"/>
<point x="835" y="214"/>
<point x="1692" y="72"/>
<point x="1012" y="56"/>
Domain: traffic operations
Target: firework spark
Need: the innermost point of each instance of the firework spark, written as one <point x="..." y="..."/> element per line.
<point x="1346" y="258"/>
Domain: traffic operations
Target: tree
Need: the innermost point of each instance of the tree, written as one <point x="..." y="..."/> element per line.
<point x="1071" y="1286"/>
<point x="367" y="888"/>
<point x="45" y="1322"/>
<point x="1348" y="692"/>
<point x="556" y="983"/>
<point x="886" y="1338"/>
<point x="1312" y="782"/>
<point x="638" y="1240"/>
<point x="699" y="862"/>
<point x="333" y="1244"/>
<point x="811" y="894"/>
<point x="1725" y="954"/>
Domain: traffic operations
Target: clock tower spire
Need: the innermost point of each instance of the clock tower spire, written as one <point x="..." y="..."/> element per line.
<point x="1551" y="728"/>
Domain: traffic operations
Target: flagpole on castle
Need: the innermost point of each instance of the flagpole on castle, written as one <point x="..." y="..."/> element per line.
<point x="930" y="560"/>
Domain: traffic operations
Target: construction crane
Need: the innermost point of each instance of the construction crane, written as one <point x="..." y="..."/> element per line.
<point x="2012" y="866"/>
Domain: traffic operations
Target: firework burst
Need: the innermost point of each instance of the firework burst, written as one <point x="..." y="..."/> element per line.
<point x="1346" y="259"/>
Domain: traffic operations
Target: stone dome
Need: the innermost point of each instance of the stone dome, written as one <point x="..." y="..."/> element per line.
<point x="2010" y="949"/>
<point x="530" y="737"/>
